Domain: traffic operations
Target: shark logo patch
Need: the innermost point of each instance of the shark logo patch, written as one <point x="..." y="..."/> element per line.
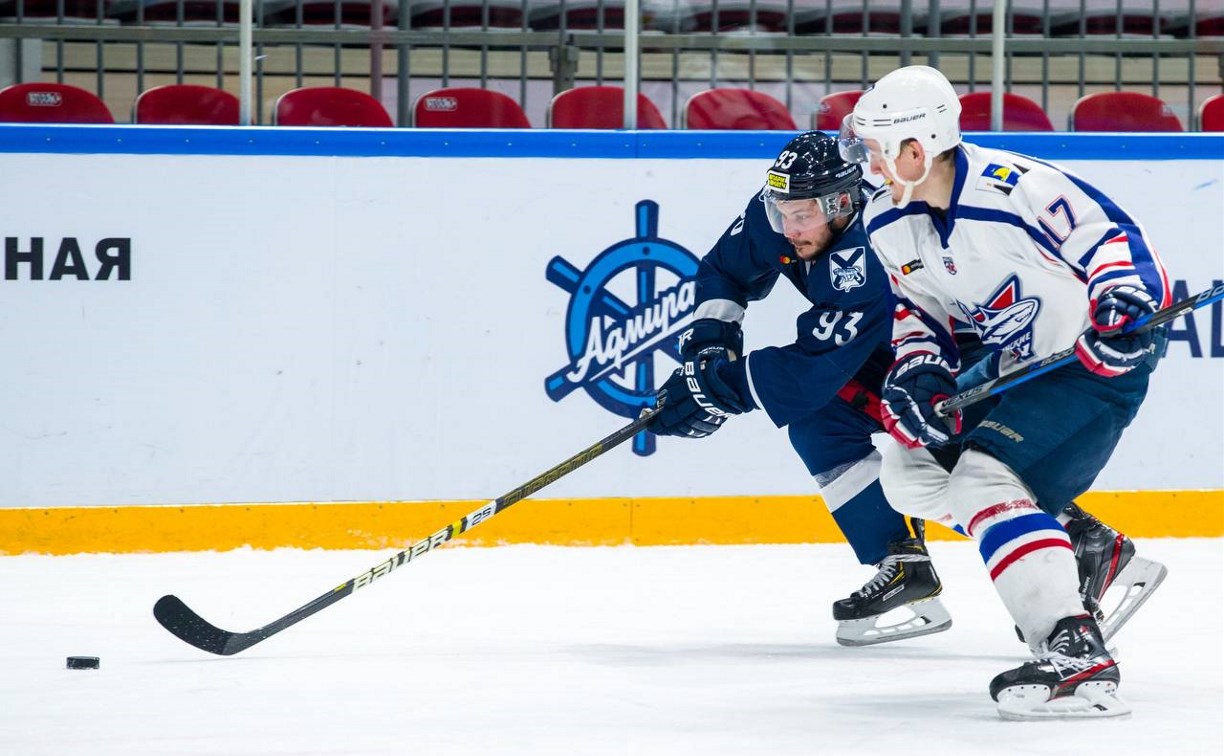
<point x="1005" y="320"/>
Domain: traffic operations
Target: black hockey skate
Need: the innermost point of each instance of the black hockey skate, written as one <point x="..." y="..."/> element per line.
<point x="1074" y="676"/>
<point x="906" y="582"/>
<point x="1106" y="559"/>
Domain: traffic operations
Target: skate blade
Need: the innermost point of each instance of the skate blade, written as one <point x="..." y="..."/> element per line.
<point x="1092" y="700"/>
<point x="1138" y="582"/>
<point x="921" y="618"/>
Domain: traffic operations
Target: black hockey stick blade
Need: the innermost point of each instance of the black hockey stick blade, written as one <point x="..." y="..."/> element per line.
<point x="183" y="622"/>
<point x="178" y="618"/>
<point x="1067" y="356"/>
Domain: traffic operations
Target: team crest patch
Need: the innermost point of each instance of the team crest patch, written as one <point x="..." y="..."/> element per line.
<point x="949" y="265"/>
<point x="998" y="177"/>
<point x="1005" y="320"/>
<point x="848" y="269"/>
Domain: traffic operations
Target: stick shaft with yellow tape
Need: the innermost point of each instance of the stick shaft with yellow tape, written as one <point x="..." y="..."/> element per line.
<point x="182" y="621"/>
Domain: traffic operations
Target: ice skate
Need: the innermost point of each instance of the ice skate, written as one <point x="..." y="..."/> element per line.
<point x="901" y="601"/>
<point x="1073" y="677"/>
<point x="1107" y="559"/>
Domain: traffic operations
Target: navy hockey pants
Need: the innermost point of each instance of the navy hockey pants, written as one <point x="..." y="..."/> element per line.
<point x="1056" y="431"/>
<point x="835" y="444"/>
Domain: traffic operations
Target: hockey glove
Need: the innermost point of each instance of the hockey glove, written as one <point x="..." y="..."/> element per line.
<point x="696" y="399"/>
<point x="712" y="332"/>
<point x="912" y="388"/>
<point x="1105" y="348"/>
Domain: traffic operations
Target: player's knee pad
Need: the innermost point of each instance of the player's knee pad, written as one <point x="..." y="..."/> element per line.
<point x="980" y="482"/>
<point x="914" y="483"/>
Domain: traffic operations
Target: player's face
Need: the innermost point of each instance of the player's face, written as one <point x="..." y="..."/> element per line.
<point x="908" y="166"/>
<point x="805" y="226"/>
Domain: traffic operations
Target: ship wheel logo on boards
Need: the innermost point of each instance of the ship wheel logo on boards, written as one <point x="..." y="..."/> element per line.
<point x="626" y="308"/>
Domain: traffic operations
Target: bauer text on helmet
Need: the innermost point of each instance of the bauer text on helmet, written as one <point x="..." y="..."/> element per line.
<point x="912" y="103"/>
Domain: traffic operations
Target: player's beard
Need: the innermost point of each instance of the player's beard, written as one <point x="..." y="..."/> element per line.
<point x="810" y="250"/>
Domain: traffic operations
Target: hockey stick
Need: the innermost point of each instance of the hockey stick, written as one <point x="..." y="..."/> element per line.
<point x="1067" y="356"/>
<point x="179" y="618"/>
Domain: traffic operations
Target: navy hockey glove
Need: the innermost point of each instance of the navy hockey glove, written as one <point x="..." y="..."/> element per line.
<point x="912" y="388"/>
<point x="1104" y="348"/>
<point x="696" y="399"/>
<point x="712" y="332"/>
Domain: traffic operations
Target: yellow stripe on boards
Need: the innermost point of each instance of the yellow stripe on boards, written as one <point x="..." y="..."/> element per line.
<point x="566" y="522"/>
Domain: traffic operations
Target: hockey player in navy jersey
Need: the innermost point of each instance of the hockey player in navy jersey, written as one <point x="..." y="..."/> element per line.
<point x="804" y="227"/>
<point x="1033" y="259"/>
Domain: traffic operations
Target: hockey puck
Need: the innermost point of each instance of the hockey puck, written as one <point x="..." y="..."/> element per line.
<point x="84" y="662"/>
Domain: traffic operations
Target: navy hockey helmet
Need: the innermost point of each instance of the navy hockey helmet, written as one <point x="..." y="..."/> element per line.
<point x="811" y="167"/>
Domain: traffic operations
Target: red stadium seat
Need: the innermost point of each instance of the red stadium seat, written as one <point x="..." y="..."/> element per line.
<point x="1019" y="113"/>
<point x="583" y="15"/>
<point x="51" y="103"/>
<point x="736" y="109"/>
<point x="875" y="17"/>
<point x="599" y="107"/>
<point x="345" y="13"/>
<point x="467" y="14"/>
<point x="757" y="16"/>
<point x="193" y="12"/>
<point x="1211" y="114"/>
<point x="1122" y="111"/>
<point x="833" y="109"/>
<point x="1022" y="18"/>
<point x="45" y="11"/>
<point x="1112" y="17"/>
<point x="1206" y="22"/>
<point x="468" y="108"/>
<point x="329" y="106"/>
<point x="186" y="104"/>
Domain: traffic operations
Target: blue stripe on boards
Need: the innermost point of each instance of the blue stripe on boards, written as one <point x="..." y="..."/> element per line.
<point x="539" y="143"/>
<point x="1008" y="530"/>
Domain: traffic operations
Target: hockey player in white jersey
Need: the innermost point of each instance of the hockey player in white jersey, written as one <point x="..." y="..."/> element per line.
<point x="1033" y="259"/>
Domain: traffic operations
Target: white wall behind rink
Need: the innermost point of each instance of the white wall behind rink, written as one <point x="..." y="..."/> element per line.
<point x="330" y="329"/>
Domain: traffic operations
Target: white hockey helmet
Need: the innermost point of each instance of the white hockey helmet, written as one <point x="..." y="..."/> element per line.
<point x="914" y="102"/>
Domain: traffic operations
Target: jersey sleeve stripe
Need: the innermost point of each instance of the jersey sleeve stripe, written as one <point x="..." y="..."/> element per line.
<point x="720" y="309"/>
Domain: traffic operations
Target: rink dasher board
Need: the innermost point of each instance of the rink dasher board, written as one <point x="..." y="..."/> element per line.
<point x="271" y="315"/>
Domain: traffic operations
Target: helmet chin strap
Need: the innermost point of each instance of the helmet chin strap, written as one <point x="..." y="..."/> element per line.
<point x="908" y="192"/>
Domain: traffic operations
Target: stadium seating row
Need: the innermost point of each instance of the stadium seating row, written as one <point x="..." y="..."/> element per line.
<point x="586" y="107"/>
<point x="955" y="17"/>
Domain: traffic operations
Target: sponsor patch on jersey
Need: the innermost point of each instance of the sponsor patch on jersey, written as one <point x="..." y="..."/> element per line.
<point x="848" y="269"/>
<point x="1005" y="320"/>
<point x="996" y="177"/>
<point x="911" y="266"/>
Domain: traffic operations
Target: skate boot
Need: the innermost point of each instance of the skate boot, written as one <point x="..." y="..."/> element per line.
<point x="1107" y="558"/>
<point x="1073" y="677"/>
<point x="906" y="582"/>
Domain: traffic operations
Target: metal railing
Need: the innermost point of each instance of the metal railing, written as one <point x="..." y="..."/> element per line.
<point x="741" y="44"/>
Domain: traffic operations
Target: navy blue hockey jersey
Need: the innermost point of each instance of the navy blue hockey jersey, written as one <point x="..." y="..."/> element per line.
<point x="842" y="338"/>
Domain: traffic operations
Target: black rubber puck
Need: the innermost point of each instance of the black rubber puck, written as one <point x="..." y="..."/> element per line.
<point x="84" y="662"/>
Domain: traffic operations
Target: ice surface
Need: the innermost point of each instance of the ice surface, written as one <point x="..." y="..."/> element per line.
<point x="542" y="650"/>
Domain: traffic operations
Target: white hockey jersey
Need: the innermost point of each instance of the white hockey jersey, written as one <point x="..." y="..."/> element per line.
<point x="1019" y="255"/>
